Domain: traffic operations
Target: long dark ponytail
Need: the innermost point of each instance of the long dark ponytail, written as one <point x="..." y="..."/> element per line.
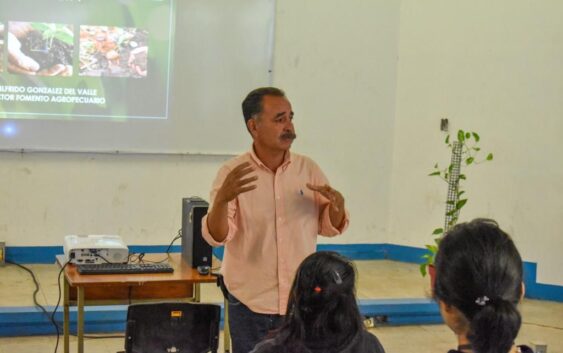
<point x="479" y="271"/>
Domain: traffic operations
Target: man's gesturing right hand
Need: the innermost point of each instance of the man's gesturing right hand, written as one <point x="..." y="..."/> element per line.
<point x="236" y="183"/>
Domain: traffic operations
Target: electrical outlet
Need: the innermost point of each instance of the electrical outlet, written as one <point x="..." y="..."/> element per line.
<point x="444" y="125"/>
<point x="2" y="253"/>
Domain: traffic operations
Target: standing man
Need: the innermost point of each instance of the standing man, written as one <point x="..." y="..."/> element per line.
<point x="267" y="207"/>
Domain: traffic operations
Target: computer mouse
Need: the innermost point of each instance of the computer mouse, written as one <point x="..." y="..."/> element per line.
<point x="203" y="269"/>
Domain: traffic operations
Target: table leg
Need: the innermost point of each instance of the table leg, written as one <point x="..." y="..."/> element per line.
<point x="66" y="315"/>
<point x="80" y="318"/>
<point x="226" y="330"/>
<point x="197" y="293"/>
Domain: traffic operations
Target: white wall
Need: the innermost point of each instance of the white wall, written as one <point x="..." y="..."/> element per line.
<point x="44" y="196"/>
<point x="496" y="68"/>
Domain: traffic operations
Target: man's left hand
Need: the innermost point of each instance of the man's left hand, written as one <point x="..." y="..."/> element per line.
<point x="336" y="199"/>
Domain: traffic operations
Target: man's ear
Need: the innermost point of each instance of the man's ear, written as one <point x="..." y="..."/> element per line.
<point x="523" y="291"/>
<point x="251" y="125"/>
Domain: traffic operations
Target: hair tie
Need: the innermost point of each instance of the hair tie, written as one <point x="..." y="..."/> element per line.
<point x="337" y="278"/>
<point x="482" y="301"/>
<point x="317" y="289"/>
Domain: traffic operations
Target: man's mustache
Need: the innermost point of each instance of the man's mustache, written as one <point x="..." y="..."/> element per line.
<point x="289" y="135"/>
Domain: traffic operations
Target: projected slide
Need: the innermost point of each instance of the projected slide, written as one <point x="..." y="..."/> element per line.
<point x="85" y="59"/>
<point x="1" y="47"/>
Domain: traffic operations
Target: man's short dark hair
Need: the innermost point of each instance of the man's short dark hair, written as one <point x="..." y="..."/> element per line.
<point x="252" y="104"/>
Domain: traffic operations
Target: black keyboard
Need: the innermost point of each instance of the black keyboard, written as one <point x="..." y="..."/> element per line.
<point x="98" y="269"/>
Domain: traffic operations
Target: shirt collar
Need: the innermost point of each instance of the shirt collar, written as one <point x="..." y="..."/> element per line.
<point x="286" y="159"/>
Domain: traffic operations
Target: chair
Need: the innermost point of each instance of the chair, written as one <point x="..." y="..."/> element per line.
<point x="226" y="328"/>
<point x="172" y="327"/>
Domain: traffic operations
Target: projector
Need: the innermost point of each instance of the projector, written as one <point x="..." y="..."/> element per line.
<point x="95" y="249"/>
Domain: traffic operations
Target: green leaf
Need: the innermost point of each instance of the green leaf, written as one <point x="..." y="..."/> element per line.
<point x="451" y="202"/>
<point x="460" y="136"/>
<point x="460" y="204"/>
<point x="433" y="248"/>
<point x="476" y="136"/>
<point x="447" y="139"/>
<point x="467" y="135"/>
<point x="438" y="231"/>
<point x="469" y="160"/>
<point x="39" y="26"/>
<point x="436" y="166"/>
<point x="460" y="193"/>
<point x="462" y="177"/>
<point x="450" y="168"/>
<point x="423" y="269"/>
<point x="435" y="173"/>
<point x="451" y="213"/>
<point x="476" y="149"/>
<point x="64" y="37"/>
<point x="47" y="34"/>
<point x="490" y="157"/>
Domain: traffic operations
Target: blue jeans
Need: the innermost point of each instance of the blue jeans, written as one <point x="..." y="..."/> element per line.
<point x="247" y="327"/>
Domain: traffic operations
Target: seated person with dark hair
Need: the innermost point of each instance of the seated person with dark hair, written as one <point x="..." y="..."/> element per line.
<point x="322" y="313"/>
<point x="478" y="286"/>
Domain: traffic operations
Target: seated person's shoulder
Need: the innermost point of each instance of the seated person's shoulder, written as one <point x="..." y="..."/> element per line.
<point x="266" y="346"/>
<point x="365" y="342"/>
<point x="372" y="344"/>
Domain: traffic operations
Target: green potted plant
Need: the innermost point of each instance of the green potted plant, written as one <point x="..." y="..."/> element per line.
<point x="465" y="151"/>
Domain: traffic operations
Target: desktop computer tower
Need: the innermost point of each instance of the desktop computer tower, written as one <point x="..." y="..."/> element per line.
<point x="195" y="250"/>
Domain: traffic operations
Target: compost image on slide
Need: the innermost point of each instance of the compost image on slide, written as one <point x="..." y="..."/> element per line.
<point x="113" y="51"/>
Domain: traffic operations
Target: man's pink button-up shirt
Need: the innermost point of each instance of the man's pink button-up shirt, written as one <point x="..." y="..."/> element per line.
<point x="271" y="230"/>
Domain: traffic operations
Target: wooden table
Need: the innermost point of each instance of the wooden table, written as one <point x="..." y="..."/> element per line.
<point x="182" y="283"/>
